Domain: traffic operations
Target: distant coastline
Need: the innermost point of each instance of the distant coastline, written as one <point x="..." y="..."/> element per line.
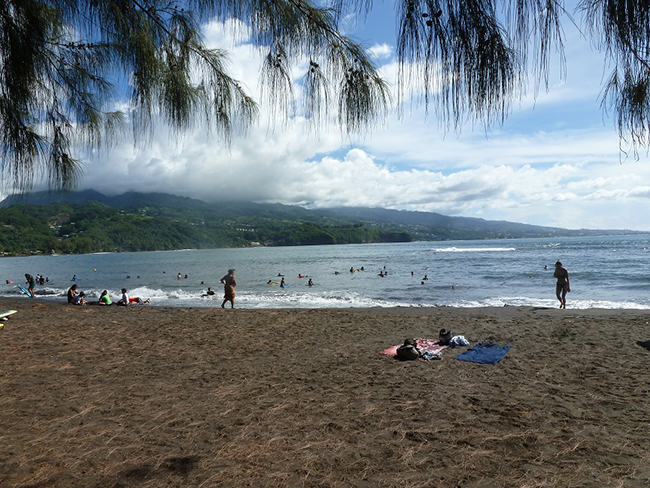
<point x="45" y="223"/>
<point x="4" y="254"/>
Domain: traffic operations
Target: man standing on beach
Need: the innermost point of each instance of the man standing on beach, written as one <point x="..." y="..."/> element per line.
<point x="229" y="284"/>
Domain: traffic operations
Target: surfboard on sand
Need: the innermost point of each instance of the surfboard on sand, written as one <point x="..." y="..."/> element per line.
<point x="4" y="316"/>
<point x="24" y="290"/>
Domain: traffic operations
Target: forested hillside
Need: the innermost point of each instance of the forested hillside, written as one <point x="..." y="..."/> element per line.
<point x="87" y="221"/>
<point x="96" y="227"/>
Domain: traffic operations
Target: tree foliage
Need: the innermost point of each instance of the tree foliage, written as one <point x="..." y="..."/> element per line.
<point x="72" y="72"/>
<point x="472" y="58"/>
<point x="63" y="63"/>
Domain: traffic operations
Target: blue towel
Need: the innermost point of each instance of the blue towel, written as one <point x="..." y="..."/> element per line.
<point x="484" y="353"/>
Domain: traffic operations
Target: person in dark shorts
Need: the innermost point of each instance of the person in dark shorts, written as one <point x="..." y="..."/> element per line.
<point x="31" y="283"/>
<point x="562" y="287"/>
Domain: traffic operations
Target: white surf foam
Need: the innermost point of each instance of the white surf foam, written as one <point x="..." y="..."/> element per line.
<point x="473" y="249"/>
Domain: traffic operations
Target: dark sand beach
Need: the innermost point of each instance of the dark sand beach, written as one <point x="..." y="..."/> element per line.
<point x="146" y="396"/>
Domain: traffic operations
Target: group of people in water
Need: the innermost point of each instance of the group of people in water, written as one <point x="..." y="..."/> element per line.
<point x="284" y="284"/>
<point x="31" y="282"/>
<point x="561" y="274"/>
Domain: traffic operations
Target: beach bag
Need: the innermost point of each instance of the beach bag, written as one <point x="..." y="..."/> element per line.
<point x="444" y="338"/>
<point x="408" y="351"/>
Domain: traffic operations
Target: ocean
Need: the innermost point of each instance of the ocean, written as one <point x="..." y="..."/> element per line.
<point x="605" y="272"/>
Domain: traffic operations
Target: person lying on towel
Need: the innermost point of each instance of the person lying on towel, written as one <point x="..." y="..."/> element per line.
<point x="408" y="350"/>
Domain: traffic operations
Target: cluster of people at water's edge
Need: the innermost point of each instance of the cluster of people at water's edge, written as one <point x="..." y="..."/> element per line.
<point x="75" y="297"/>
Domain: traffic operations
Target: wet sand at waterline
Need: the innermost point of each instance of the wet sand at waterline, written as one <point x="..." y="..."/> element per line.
<point x="150" y="396"/>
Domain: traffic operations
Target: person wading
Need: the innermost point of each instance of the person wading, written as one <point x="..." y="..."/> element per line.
<point x="229" y="284"/>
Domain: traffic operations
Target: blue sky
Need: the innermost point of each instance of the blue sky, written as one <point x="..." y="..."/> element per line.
<point x="555" y="161"/>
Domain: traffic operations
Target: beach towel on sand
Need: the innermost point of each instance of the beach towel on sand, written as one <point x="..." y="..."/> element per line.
<point x="424" y="345"/>
<point x="484" y="353"/>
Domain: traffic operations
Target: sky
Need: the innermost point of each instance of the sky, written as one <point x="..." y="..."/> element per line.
<point x="555" y="161"/>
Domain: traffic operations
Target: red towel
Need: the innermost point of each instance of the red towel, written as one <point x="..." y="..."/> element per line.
<point x="424" y="345"/>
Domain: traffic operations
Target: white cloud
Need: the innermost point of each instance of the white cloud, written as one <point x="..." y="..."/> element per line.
<point x="381" y="51"/>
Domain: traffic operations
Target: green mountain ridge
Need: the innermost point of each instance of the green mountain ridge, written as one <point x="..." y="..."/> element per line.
<point x="88" y="221"/>
<point x="84" y="222"/>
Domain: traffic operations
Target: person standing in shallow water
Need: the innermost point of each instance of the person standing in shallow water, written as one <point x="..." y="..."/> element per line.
<point x="562" y="287"/>
<point x="31" y="282"/>
<point x="229" y="284"/>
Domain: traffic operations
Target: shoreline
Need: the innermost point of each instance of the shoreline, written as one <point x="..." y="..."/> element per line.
<point x="93" y="303"/>
<point x="155" y="396"/>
